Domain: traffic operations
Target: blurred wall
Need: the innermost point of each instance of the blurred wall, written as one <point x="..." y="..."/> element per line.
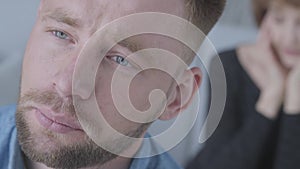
<point x="239" y="13"/>
<point x="17" y="18"/>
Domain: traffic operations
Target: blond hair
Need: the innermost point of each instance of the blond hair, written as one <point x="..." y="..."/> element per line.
<point x="205" y="13"/>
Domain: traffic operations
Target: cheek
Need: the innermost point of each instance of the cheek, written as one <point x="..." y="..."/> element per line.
<point x="42" y="60"/>
<point x="144" y="84"/>
<point x="110" y="112"/>
<point x="138" y="95"/>
<point x="274" y="30"/>
<point x="105" y="101"/>
<point x="276" y="35"/>
<point x="35" y="72"/>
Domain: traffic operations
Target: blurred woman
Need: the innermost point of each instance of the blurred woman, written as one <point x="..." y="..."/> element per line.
<point x="260" y="127"/>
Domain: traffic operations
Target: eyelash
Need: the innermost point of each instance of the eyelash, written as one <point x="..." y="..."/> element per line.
<point x="62" y="33"/>
<point x="67" y="36"/>
<point x="112" y="57"/>
<point x="116" y="59"/>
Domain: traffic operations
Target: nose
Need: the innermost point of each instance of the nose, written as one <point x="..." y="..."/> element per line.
<point x="62" y="82"/>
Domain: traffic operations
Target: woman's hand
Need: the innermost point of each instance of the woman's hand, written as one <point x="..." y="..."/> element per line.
<point x="292" y="97"/>
<point x="268" y="74"/>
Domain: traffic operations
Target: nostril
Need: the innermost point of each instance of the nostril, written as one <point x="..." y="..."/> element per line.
<point x="54" y="85"/>
<point x="63" y="88"/>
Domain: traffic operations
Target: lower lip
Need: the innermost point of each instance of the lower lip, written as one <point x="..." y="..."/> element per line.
<point x="293" y="54"/>
<point x="51" y="125"/>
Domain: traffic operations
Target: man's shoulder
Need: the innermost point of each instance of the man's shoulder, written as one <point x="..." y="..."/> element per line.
<point x="152" y="156"/>
<point x="11" y="109"/>
<point x="7" y="116"/>
<point x="161" y="161"/>
<point x="7" y="120"/>
<point x="167" y="162"/>
<point x="9" y="148"/>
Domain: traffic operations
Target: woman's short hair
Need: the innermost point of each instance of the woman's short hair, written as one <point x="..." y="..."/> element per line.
<point x="260" y="7"/>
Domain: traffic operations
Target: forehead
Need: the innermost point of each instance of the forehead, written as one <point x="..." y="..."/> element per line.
<point x="98" y="12"/>
<point x="91" y="15"/>
<point x="284" y="7"/>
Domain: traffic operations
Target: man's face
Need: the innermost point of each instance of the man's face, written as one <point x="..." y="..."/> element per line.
<point x="49" y="130"/>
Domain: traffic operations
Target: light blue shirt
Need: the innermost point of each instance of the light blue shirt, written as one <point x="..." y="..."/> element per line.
<point x="11" y="158"/>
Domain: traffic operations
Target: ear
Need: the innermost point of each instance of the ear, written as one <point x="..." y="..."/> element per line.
<point x="182" y="94"/>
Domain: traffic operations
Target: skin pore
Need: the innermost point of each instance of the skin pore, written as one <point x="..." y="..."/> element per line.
<point x="60" y="33"/>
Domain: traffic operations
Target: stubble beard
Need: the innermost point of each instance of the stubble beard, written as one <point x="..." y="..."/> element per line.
<point x="78" y="155"/>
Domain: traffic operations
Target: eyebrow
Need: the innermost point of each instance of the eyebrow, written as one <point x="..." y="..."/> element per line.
<point x="62" y="16"/>
<point x="132" y="46"/>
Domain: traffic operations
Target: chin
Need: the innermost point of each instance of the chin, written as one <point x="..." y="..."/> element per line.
<point x="289" y="62"/>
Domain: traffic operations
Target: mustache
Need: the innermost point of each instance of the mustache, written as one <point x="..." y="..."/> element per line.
<point x="48" y="98"/>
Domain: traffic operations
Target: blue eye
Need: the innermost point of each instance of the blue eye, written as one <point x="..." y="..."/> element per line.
<point x="60" y="35"/>
<point x="120" y="60"/>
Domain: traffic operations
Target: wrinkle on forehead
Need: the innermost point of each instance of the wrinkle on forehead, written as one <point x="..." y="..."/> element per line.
<point x="96" y="13"/>
<point x="88" y="12"/>
<point x="174" y="7"/>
